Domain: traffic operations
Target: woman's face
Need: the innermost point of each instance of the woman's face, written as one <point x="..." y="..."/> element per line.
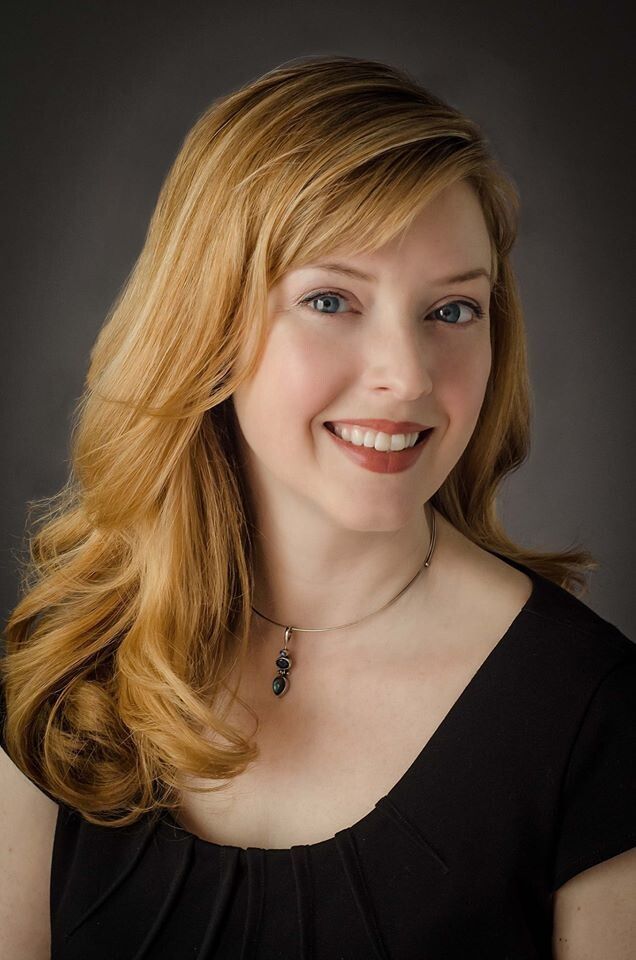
<point x="381" y="348"/>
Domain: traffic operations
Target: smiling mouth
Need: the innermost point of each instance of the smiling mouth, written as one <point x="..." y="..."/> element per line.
<point x="420" y="437"/>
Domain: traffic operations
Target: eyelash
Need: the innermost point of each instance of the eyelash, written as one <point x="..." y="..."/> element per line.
<point x="475" y="307"/>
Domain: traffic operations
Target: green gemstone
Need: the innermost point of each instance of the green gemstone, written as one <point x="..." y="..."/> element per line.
<point x="279" y="685"/>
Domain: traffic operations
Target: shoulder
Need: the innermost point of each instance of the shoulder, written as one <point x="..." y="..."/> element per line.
<point x="28" y="819"/>
<point x="574" y="631"/>
<point x="14" y="777"/>
<point x="561" y="649"/>
<point x="570" y="683"/>
<point x="550" y="619"/>
<point x="580" y="667"/>
<point x="573" y="681"/>
<point x="552" y="627"/>
<point x="557" y="649"/>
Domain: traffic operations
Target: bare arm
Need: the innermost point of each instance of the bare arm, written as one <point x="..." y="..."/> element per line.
<point x="595" y="912"/>
<point x="27" y="830"/>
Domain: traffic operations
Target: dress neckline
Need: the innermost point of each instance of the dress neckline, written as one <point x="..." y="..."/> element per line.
<point x="539" y="585"/>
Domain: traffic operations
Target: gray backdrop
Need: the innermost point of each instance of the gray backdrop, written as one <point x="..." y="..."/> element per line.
<point x="98" y="99"/>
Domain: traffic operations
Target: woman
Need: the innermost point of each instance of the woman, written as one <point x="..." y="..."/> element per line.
<point x="275" y="587"/>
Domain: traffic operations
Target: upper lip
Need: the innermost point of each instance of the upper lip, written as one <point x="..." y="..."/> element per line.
<point x="387" y="426"/>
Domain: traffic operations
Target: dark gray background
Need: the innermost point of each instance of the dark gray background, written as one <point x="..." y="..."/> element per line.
<point x="98" y="99"/>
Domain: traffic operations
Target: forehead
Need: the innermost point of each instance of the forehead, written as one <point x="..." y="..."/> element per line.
<point x="450" y="228"/>
<point x="448" y="236"/>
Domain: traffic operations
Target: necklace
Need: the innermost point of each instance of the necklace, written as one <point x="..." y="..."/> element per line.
<point x="280" y="683"/>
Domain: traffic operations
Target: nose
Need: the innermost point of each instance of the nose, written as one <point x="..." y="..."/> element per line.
<point x="396" y="360"/>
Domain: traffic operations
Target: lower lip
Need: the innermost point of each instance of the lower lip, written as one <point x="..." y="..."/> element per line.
<point x="394" y="461"/>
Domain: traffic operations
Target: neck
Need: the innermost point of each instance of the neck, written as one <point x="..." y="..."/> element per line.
<point x="332" y="599"/>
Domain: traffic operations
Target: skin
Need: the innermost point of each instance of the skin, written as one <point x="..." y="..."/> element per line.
<point x="594" y="916"/>
<point x="332" y="534"/>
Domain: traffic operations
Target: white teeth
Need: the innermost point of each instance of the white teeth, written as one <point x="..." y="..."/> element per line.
<point x="375" y="438"/>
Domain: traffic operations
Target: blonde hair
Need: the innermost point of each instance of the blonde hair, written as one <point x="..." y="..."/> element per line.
<point x="136" y="597"/>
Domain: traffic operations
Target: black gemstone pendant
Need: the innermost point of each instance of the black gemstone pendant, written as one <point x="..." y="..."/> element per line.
<point x="280" y="683"/>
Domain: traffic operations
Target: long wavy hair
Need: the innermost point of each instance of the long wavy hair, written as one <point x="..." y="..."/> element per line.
<point x="136" y="593"/>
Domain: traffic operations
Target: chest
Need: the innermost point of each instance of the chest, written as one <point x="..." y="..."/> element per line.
<point x="342" y="737"/>
<point x="326" y="758"/>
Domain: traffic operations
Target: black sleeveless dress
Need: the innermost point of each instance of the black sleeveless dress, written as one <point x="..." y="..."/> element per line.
<point x="528" y="780"/>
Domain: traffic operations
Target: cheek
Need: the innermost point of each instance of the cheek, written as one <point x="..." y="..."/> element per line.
<point x="307" y="369"/>
<point x="294" y="382"/>
<point x="460" y="381"/>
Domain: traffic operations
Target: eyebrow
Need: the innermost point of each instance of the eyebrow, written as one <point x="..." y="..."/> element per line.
<point x="442" y="281"/>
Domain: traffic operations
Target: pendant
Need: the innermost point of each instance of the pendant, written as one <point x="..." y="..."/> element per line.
<point x="280" y="683"/>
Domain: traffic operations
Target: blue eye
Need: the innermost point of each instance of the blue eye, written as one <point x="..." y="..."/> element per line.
<point x="450" y="312"/>
<point x="326" y="296"/>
